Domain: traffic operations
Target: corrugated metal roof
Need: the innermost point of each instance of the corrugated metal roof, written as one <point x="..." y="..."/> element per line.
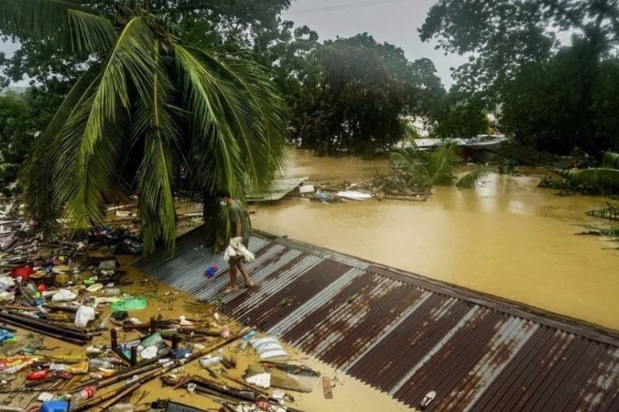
<point x="407" y="335"/>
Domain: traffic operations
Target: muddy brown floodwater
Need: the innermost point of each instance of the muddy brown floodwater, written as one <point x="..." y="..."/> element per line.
<point x="507" y="237"/>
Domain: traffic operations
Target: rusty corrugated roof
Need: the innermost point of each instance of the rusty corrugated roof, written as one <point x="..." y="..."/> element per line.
<point x="408" y="335"/>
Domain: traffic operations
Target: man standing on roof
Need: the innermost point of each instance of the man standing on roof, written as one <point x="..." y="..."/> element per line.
<point x="239" y="227"/>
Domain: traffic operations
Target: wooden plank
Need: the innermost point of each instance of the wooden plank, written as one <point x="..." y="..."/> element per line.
<point x="327" y="388"/>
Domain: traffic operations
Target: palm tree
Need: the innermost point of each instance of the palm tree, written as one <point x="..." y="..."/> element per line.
<point x="158" y="100"/>
<point x="606" y="176"/>
<point x="424" y="169"/>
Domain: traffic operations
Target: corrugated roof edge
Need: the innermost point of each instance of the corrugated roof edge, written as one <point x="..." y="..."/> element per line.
<point x="538" y="315"/>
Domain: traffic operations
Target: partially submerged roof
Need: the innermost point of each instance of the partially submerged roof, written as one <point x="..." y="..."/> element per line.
<point x="405" y="334"/>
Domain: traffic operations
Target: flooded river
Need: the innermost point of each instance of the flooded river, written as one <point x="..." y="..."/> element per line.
<point x="506" y="237"/>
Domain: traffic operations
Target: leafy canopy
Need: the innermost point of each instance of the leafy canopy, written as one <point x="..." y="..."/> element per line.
<point x="556" y="97"/>
<point x="159" y="101"/>
<point x="364" y="89"/>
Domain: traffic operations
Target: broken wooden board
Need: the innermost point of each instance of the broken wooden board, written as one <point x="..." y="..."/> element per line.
<point x="327" y="388"/>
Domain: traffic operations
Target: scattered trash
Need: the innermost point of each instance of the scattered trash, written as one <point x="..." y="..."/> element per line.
<point x="354" y="195"/>
<point x="84" y="315"/>
<point x="130" y="304"/>
<point x="64" y="295"/>
<point x="306" y="189"/>
<point x="210" y="271"/>
<point x="327" y="387"/>
<point x="268" y="348"/>
<point x="209" y="361"/>
<point x="425" y="402"/>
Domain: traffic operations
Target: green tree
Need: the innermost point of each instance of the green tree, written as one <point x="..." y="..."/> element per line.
<point x="457" y="115"/>
<point x="359" y="102"/>
<point x="157" y="101"/>
<point x="514" y="59"/>
<point x="22" y="118"/>
<point x="365" y="87"/>
<point x="15" y="135"/>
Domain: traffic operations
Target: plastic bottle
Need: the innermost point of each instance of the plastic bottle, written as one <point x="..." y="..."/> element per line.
<point x="134" y="378"/>
<point x="249" y="335"/>
<point x="111" y="292"/>
<point x="83" y="395"/>
<point x="13" y="369"/>
<point x="121" y="407"/>
<point x="100" y="364"/>
<point x="208" y="362"/>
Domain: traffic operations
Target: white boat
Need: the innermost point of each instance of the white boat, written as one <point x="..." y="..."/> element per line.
<point x="488" y="142"/>
<point x="427" y="143"/>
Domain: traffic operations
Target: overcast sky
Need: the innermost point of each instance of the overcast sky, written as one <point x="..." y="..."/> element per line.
<point x="392" y="21"/>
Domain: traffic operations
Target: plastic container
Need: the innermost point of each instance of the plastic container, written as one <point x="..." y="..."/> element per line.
<point x="100" y="364"/>
<point x="211" y="271"/>
<point x="249" y="335"/>
<point x="54" y="406"/>
<point x="130" y="304"/>
<point x="23" y="271"/>
<point x="111" y="292"/>
<point x="37" y="375"/>
<point x="153" y="340"/>
<point x="208" y="362"/>
<point x="87" y="393"/>
<point x="121" y="407"/>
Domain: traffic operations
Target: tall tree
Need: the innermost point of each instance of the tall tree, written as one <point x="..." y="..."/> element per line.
<point x="365" y="88"/>
<point x="158" y="101"/>
<point x="513" y="43"/>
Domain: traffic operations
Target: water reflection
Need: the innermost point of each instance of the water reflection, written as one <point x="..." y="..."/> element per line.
<point x="507" y="237"/>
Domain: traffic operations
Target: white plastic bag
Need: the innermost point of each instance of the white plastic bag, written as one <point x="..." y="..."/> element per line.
<point x="64" y="295"/>
<point x="84" y="315"/>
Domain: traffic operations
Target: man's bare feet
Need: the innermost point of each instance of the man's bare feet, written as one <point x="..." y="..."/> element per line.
<point x="249" y="284"/>
<point x="229" y="289"/>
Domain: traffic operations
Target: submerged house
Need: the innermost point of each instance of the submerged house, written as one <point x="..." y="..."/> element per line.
<point x="405" y="334"/>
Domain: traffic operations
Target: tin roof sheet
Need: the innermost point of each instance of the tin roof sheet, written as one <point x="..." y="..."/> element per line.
<point x="407" y="335"/>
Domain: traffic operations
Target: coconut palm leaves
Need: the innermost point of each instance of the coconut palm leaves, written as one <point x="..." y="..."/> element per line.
<point x="67" y="24"/>
<point x="428" y="168"/>
<point x="606" y="176"/>
<point x="150" y="107"/>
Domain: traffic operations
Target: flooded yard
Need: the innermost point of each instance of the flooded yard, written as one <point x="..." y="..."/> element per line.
<point x="506" y="237"/>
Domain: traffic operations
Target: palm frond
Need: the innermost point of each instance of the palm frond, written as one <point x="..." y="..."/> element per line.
<point x="611" y="232"/>
<point x="99" y="126"/>
<point x="599" y="177"/>
<point x="610" y="160"/>
<point x="214" y="147"/>
<point x="155" y="123"/>
<point x="72" y="26"/>
<point x="610" y="212"/>
<point x="470" y="179"/>
<point x="36" y="175"/>
<point x="441" y="164"/>
<point x="245" y="90"/>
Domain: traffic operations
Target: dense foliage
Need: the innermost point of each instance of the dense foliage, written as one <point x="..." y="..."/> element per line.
<point x="365" y="89"/>
<point x="157" y="101"/>
<point x="556" y="98"/>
